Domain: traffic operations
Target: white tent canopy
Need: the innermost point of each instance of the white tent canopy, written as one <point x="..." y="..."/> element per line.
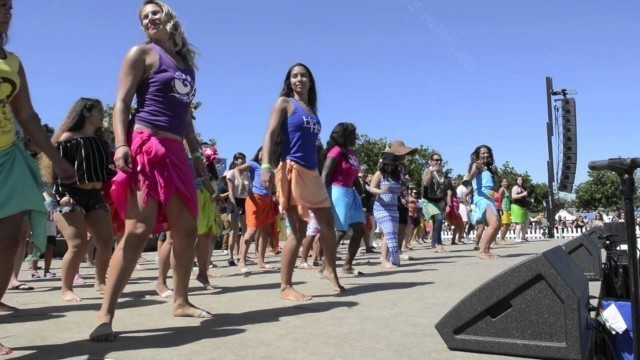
<point x="563" y="214"/>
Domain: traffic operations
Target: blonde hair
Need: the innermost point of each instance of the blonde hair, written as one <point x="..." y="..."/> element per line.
<point x="180" y="43"/>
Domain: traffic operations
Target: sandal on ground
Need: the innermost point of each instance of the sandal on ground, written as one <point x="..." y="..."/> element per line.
<point x="49" y="275"/>
<point x="305" y="266"/>
<point x="35" y="275"/>
<point x="78" y="280"/>
<point x="22" y="286"/>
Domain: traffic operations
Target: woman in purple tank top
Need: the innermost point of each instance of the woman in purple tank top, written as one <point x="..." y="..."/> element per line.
<point x="154" y="186"/>
<point x="294" y="123"/>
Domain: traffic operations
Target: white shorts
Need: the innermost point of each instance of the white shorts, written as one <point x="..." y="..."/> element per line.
<point x="464" y="213"/>
<point x="313" y="228"/>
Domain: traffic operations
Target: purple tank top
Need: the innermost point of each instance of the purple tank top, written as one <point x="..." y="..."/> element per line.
<point x="299" y="135"/>
<point x="164" y="97"/>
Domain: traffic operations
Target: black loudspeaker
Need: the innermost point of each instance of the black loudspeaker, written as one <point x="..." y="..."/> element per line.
<point x="617" y="228"/>
<point x="537" y="308"/>
<point x="586" y="253"/>
<point x="569" y="146"/>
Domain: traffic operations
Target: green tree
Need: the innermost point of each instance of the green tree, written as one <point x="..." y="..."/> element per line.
<point x="369" y="150"/>
<point x="600" y="191"/>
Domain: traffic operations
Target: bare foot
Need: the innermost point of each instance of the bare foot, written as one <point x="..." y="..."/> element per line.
<point x="103" y="333"/>
<point x="98" y="287"/>
<point x="267" y="266"/>
<point x="5" y="350"/>
<point x="204" y="280"/>
<point x="190" y="311"/>
<point x="289" y="293"/>
<point x="387" y="265"/>
<point x="7" y="308"/>
<point x="485" y="256"/>
<point x="351" y="270"/>
<point x="70" y="296"/>
<point x="333" y="277"/>
<point x="164" y="291"/>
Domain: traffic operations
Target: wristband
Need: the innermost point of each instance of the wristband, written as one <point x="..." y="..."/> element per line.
<point x="119" y="146"/>
<point x="266" y="166"/>
<point x="196" y="154"/>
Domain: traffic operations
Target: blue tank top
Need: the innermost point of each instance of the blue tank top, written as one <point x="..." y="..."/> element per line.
<point x="483" y="185"/>
<point x="299" y="135"/>
<point x="164" y="97"/>
<point x="255" y="173"/>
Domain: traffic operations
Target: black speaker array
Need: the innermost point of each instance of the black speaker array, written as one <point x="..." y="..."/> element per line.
<point x="569" y="146"/>
<point x="537" y="308"/>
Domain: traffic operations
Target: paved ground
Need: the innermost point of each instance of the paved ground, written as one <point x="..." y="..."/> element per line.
<point x="383" y="315"/>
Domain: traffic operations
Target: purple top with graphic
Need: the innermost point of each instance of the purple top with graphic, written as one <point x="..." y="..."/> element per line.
<point x="299" y="135"/>
<point x="164" y="97"/>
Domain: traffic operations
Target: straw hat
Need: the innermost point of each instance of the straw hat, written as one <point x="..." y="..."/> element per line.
<point x="397" y="147"/>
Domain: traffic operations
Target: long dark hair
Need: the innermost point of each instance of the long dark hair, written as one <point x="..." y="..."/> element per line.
<point x="237" y="156"/>
<point x="74" y="121"/>
<point x="256" y="157"/>
<point x="394" y="174"/>
<point x="343" y="135"/>
<point x="287" y="89"/>
<point x="475" y="156"/>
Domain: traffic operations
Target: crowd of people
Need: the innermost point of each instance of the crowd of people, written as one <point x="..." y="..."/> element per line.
<point x="156" y="177"/>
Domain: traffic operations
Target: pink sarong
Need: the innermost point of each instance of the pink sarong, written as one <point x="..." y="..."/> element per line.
<point x="161" y="169"/>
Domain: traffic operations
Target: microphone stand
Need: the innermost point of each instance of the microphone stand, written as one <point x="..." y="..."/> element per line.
<point x="625" y="168"/>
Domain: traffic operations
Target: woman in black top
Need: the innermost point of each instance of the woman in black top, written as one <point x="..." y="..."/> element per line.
<point x="80" y="205"/>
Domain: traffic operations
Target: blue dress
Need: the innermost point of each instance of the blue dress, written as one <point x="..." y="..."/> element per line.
<point x="483" y="186"/>
<point x="385" y="211"/>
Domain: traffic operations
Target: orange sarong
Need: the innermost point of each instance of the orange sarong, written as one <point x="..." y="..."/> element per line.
<point x="300" y="187"/>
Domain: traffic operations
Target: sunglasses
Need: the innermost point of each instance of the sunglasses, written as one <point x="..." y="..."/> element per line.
<point x="436" y="160"/>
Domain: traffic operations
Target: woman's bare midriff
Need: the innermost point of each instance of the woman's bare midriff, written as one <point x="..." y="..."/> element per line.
<point x="89" y="186"/>
<point x="156" y="132"/>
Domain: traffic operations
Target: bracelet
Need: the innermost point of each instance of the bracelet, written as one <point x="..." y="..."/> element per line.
<point x="196" y="154"/>
<point x="266" y="166"/>
<point x="119" y="146"/>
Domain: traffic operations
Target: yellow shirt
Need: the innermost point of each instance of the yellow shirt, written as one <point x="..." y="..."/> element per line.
<point x="9" y="85"/>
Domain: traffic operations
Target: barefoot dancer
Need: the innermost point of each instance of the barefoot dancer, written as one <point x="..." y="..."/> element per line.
<point x="386" y="185"/>
<point x="154" y="183"/>
<point x="261" y="212"/>
<point x="299" y="187"/>
<point x="340" y="175"/>
<point x="483" y="174"/>
<point x="80" y="206"/>
<point x="20" y="183"/>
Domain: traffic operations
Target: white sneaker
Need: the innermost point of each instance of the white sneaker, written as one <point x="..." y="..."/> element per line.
<point x="405" y="257"/>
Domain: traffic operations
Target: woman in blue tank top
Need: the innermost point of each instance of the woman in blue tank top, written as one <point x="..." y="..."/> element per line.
<point x="483" y="175"/>
<point x="294" y="123"/>
<point x="151" y="161"/>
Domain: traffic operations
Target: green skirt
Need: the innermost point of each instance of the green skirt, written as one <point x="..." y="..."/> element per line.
<point x="21" y="189"/>
<point x="519" y="214"/>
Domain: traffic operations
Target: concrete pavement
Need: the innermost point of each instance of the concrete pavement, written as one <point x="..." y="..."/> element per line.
<point x="385" y="314"/>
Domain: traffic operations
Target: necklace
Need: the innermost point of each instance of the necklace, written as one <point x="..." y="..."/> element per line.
<point x="439" y="178"/>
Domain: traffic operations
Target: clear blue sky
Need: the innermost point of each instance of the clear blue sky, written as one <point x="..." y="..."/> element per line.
<point x="448" y="75"/>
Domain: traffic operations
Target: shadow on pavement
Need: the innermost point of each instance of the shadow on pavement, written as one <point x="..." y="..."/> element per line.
<point x="222" y="325"/>
<point x="368" y="288"/>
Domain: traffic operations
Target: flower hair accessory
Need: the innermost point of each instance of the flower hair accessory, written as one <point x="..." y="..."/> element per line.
<point x="210" y="154"/>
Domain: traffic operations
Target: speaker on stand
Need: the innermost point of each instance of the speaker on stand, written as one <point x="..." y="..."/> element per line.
<point x="569" y="146"/>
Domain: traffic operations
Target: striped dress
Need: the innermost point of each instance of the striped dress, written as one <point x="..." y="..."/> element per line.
<point x="385" y="211"/>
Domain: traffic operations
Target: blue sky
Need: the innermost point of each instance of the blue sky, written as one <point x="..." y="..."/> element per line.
<point x="448" y="75"/>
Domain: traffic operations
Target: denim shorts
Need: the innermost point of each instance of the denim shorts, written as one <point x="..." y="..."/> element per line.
<point x="85" y="200"/>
